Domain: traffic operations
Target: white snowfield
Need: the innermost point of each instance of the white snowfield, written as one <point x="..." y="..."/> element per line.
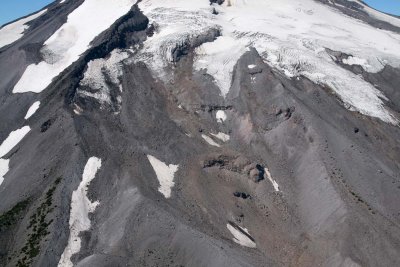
<point x="32" y="110"/>
<point x="165" y="175"/>
<point x="14" y="31"/>
<point x="4" y="168"/>
<point x="290" y="35"/>
<point x="13" y="139"/>
<point x="73" y="38"/>
<point x="241" y="238"/>
<point x="81" y="206"/>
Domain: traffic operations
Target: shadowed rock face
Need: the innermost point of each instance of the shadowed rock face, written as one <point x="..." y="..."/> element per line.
<point x="306" y="180"/>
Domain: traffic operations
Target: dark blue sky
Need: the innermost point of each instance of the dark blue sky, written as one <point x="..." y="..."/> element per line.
<point x="13" y="9"/>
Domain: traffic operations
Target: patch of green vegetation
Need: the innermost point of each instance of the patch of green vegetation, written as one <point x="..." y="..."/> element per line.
<point x="38" y="225"/>
<point x="10" y="217"/>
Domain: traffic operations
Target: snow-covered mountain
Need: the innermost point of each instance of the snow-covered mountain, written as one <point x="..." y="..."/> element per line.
<point x="200" y="133"/>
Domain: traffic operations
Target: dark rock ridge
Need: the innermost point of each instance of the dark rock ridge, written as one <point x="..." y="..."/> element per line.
<point x="310" y="182"/>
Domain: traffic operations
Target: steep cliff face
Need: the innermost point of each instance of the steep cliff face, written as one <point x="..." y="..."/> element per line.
<point x="200" y="133"/>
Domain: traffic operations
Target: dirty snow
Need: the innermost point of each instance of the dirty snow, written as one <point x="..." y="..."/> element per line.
<point x="73" y="38"/>
<point x="222" y="136"/>
<point x="290" y="35"/>
<point x="165" y="175"/>
<point x="209" y="140"/>
<point x="273" y="182"/>
<point x="100" y="73"/>
<point x="81" y="206"/>
<point x="239" y="237"/>
<point x="14" y="31"/>
<point x="219" y="58"/>
<point x="3" y="169"/>
<point x="13" y="139"/>
<point x="32" y="110"/>
<point x="221" y="116"/>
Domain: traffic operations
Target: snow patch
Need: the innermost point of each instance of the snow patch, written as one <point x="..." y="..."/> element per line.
<point x="4" y="168"/>
<point x="81" y="206"/>
<point x="165" y="175"/>
<point x="14" y="31"/>
<point x="240" y="237"/>
<point x="355" y="61"/>
<point x="32" y="110"/>
<point x="100" y="73"/>
<point x="221" y="116"/>
<point x="218" y="58"/>
<point x="13" y="139"/>
<point x="273" y="182"/>
<point x="252" y="66"/>
<point x="209" y="140"/>
<point x="73" y="38"/>
<point x="222" y="136"/>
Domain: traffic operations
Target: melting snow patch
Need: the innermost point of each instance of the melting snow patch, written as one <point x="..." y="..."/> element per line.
<point x="218" y="58"/>
<point x="100" y="73"/>
<point x="221" y="116"/>
<point x="14" y="31"/>
<point x="165" y="175"/>
<point x="222" y="136"/>
<point x="355" y="61"/>
<point x="241" y="236"/>
<point x="13" y="139"/>
<point x="73" y="38"/>
<point x="252" y="66"/>
<point x="273" y="182"/>
<point x="35" y="106"/>
<point x="209" y="140"/>
<point x="81" y="206"/>
<point x="3" y="169"/>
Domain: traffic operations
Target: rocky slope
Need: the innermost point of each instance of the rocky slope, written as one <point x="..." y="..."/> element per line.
<point x="200" y="133"/>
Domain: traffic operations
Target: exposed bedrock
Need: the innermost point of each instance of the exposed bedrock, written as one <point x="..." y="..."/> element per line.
<point x="277" y="173"/>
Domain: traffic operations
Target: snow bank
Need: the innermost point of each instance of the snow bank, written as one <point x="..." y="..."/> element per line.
<point x="290" y="35"/>
<point x="3" y="169"/>
<point x="32" y="110"/>
<point x="73" y="38"/>
<point x="273" y="182"/>
<point x="13" y="139"/>
<point x="165" y="175"/>
<point x="221" y="116"/>
<point x="222" y="136"/>
<point x="239" y="236"/>
<point x="14" y="31"/>
<point x="81" y="206"/>
<point x="209" y="140"/>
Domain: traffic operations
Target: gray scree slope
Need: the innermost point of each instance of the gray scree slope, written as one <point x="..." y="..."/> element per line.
<point x="338" y="171"/>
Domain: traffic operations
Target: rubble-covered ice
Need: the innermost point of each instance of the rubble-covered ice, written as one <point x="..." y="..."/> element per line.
<point x="290" y="35"/>
<point x="71" y="40"/>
